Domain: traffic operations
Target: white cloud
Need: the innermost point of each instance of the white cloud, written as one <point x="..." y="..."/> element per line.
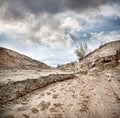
<point x="107" y="10"/>
<point x="100" y="38"/>
<point x="58" y="57"/>
<point x="53" y="31"/>
<point x="70" y="24"/>
<point x="53" y="38"/>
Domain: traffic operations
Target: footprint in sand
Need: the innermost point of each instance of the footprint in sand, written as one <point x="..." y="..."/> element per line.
<point x="34" y="110"/>
<point x="42" y="94"/>
<point x="48" y="93"/>
<point x="26" y="116"/>
<point x="55" y="96"/>
<point x="44" y="105"/>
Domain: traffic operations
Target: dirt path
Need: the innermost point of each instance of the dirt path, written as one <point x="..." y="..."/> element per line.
<point x="81" y="97"/>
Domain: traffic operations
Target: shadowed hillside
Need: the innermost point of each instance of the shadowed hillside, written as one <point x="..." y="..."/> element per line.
<point x="10" y="59"/>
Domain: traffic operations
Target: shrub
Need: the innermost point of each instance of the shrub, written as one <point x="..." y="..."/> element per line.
<point x="81" y="50"/>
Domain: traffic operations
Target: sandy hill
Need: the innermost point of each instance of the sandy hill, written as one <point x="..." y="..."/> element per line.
<point x="92" y="90"/>
<point x="106" y="56"/>
<point x="10" y="59"/>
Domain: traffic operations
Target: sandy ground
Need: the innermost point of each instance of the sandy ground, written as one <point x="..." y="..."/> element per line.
<point x="81" y="97"/>
<point x="19" y="75"/>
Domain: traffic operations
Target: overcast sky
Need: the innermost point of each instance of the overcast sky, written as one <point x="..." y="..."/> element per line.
<point x="48" y="30"/>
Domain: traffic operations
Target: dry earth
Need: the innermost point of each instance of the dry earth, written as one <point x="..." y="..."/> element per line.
<point x="10" y="59"/>
<point x="91" y="91"/>
<point x="81" y="97"/>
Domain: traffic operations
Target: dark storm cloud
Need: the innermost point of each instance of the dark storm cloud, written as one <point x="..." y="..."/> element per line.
<point x="18" y="8"/>
<point x="51" y="6"/>
<point x="12" y="9"/>
<point x="85" y="4"/>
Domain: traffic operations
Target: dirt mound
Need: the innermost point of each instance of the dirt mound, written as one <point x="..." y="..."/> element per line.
<point x="106" y="57"/>
<point x="14" y="90"/>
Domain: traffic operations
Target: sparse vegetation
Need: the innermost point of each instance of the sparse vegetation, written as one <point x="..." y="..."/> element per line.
<point x="81" y="50"/>
<point x="58" y="65"/>
<point x="72" y="63"/>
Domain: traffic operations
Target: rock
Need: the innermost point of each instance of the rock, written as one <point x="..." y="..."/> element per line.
<point x="18" y="89"/>
<point x="100" y="59"/>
